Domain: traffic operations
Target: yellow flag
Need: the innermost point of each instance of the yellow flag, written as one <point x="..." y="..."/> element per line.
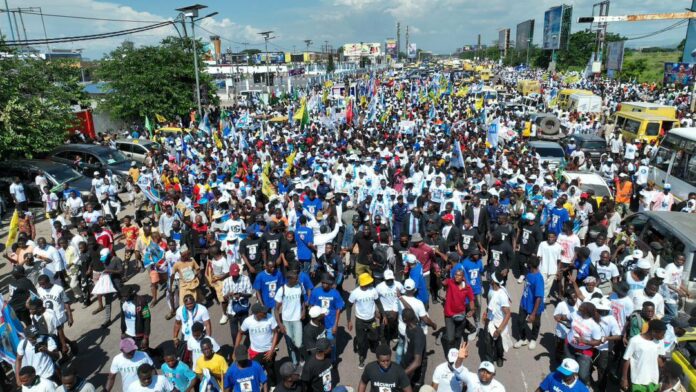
<point x="300" y="113"/>
<point x="479" y="104"/>
<point x="290" y="160"/>
<point x="160" y="118"/>
<point x="13" y="230"/>
<point x="462" y="92"/>
<point x="266" y="186"/>
<point x="325" y="95"/>
<point x="363" y="101"/>
<point x="216" y="139"/>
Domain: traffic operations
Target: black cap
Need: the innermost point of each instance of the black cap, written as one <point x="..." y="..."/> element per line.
<point x="32" y="332"/>
<point x="241" y="353"/>
<point x="323" y="344"/>
<point x="258" y="308"/>
<point x="657" y="326"/>
<point x="327" y="278"/>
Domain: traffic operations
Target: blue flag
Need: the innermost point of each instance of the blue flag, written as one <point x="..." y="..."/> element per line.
<point x="457" y="158"/>
<point x="492" y="136"/>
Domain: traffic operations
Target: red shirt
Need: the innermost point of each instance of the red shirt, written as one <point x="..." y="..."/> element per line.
<point x="457" y="297"/>
<point x="425" y="255"/>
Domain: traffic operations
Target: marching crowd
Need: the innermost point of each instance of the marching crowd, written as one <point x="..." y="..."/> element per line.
<point x="349" y="220"/>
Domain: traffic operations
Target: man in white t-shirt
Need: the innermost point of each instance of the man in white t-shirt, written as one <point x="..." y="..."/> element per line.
<point x="642" y="357"/>
<point x="675" y="285"/>
<point x="262" y="329"/>
<point x="187" y="314"/>
<point x="193" y="343"/>
<point x="364" y="299"/>
<point x="290" y="300"/>
<point x="126" y="364"/>
<point x="408" y="299"/>
<point x="38" y="351"/>
<point x="443" y="376"/>
<point x="149" y="381"/>
<point x="550" y="254"/>
<point x="18" y="194"/>
<point x="630" y="151"/>
<point x="31" y="382"/>
<point x="389" y="303"/>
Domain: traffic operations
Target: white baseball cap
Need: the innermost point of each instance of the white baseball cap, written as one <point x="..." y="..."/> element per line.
<point x="643" y="264"/>
<point x="487" y="366"/>
<point x="452" y="355"/>
<point x="637" y="253"/>
<point x="388" y="274"/>
<point x="409" y="284"/>
<point x="568" y="367"/>
<point x="316" y="311"/>
<point x="661" y="273"/>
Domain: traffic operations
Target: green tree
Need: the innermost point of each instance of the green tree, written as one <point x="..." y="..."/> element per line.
<point x="154" y="80"/>
<point x="330" y="66"/>
<point x="36" y="99"/>
<point x="633" y="70"/>
<point x="580" y="48"/>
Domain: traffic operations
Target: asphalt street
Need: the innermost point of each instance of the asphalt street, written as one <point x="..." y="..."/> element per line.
<point x="523" y="369"/>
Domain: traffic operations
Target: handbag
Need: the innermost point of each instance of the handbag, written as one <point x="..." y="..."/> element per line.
<point x="240" y="306"/>
<point x="459" y="317"/>
<point x="104" y="285"/>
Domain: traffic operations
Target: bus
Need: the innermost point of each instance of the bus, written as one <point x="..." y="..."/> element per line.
<point x="564" y="97"/>
<point x="675" y="162"/>
<point x="642" y="126"/>
<point x="649" y="108"/>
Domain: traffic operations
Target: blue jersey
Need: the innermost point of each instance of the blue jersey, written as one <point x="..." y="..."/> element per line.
<point x="181" y="376"/>
<point x="416" y="273"/>
<point x="303" y="237"/>
<point x="583" y="268"/>
<point x="313" y="206"/>
<point x="558" y="217"/>
<point x="248" y="379"/>
<point x="330" y="300"/>
<point x="267" y="285"/>
<point x="533" y="289"/>
<point x="554" y="383"/>
<point x="473" y="271"/>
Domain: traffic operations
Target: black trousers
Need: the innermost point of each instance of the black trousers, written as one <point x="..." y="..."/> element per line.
<point x="493" y="348"/>
<point x="365" y="336"/>
<point x="526" y="332"/>
<point x="519" y="267"/>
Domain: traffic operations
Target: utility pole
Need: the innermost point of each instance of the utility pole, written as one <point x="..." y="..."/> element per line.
<point x="267" y="37"/>
<point x="9" y="19"/>
<point x="478" y="47"/>
<point x="601" y="29"/>
<point x="407" y="41"/>
<point x="398" y="39"/>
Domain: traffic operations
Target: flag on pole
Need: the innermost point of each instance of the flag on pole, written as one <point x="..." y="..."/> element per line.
<point x="13" y="230"/>
<point x="304" y="121"/>
<point x="457" y="160"/>
<point x="492" y="137"/>
<point x="349" y="112"/>
<point x="160" y="118"/>
<point x="10" y="329"/>
<point x="149" y="126"/>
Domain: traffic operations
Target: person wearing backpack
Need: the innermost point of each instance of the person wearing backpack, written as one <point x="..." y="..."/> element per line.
<point x="290" y="302"/>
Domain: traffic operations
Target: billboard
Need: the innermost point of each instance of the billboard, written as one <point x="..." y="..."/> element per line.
<point x="273" y="58"/>
<point x="689" y="55"/>
<point x="553" y="19"/>
<point x="615" y="53"/>
<point x="390" y="48"/>
<point x="525" y="34"/>
<point x="373" y="49"/>
<point x="681" y="74"/>
<point x="504" y="39"/>
<point x="412" y="50"/>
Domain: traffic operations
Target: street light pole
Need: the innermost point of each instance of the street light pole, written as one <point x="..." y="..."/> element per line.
<point x="192" y="12"/>
<point x="267" y="36"/>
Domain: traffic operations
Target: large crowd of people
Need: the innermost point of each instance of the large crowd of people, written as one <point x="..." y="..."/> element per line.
<point x="370" y="217"/>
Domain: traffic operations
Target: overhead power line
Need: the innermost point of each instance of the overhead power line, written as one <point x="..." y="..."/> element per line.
<point x="87" y="37"/>
<point x="86" y="17"/>
<point x="668" y="28"/>
<point x="229" y="39"/>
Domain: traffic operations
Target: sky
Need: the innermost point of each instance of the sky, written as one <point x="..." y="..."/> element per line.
<point x="440" y="26"/>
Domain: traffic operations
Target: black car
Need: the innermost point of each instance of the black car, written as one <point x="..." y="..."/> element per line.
<point x="93" y="158"/>
<point x="592" y="146"/>
<point x="58" y="175"/>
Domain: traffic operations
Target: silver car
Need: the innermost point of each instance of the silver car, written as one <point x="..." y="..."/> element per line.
<point x="136" y="149"/>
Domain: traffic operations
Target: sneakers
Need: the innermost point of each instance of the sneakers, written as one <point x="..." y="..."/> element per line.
<point x="224" y="319"/>
<point x="520" y="279"/>
<point x="361" y="365"/>
<point x="532" y="345"/>
<point x="520" y="343"/>
<point x="499" y="362"/>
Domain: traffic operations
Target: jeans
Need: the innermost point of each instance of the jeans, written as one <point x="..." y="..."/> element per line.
<point x="527" y="333"/>
<point x="400" y="348"/>
<point x="235" y="323"/>
<point x="671" y="312"/>
<point x="305" y="265"/>
<point x="294" y="339"/>
<point x="583" y="360"/>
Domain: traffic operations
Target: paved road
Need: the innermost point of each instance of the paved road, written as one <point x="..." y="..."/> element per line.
<point x="522" y="371"/>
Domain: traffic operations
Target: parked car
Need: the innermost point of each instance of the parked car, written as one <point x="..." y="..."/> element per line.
<point x="592" y="146"/>
<point x="675" y="232"/>
<point x="136" y="149"/>
<point x="59" y="177"/>
<point x="551" y="152"/>
<point x="589" y="180"/>
<point x="93" y="158"/>
<point x="685" y="355"/>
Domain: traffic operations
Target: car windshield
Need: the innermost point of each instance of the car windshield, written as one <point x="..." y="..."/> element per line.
<point x="113" y="157"/>
<point x="598" y="189"/>
<point x="62" y="173"/>
<point x="550" y="152"/>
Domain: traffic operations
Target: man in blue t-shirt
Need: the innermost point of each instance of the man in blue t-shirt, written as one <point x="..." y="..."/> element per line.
<point x="304" y="237"/>
<point x="177" y="372"/>
<point x="266" y="284"/>
<point x="559" y="216"/>
<point x="473" y="270"/>
<point x="328" y="298"/>
<point x="531" y="306"/>
<point x="564" y="379"/>
<point x="415" y="272"/>
<point x="312" y="203"/>
<point x="244" y="375"/>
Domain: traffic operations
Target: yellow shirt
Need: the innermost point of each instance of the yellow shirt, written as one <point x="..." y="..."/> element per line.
<point x="217" y="366"/>
<point x="134" y="173"/>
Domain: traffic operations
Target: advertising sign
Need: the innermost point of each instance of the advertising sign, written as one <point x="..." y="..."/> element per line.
<point x="391" y="48"/>
<point x="681" y="74"/>
<point x="615" y="53"/>
<point x="525" y="34"/>
<point x="366" y="49"/>
<point x="412" y="50"/>
<point x="553" y="19"/>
